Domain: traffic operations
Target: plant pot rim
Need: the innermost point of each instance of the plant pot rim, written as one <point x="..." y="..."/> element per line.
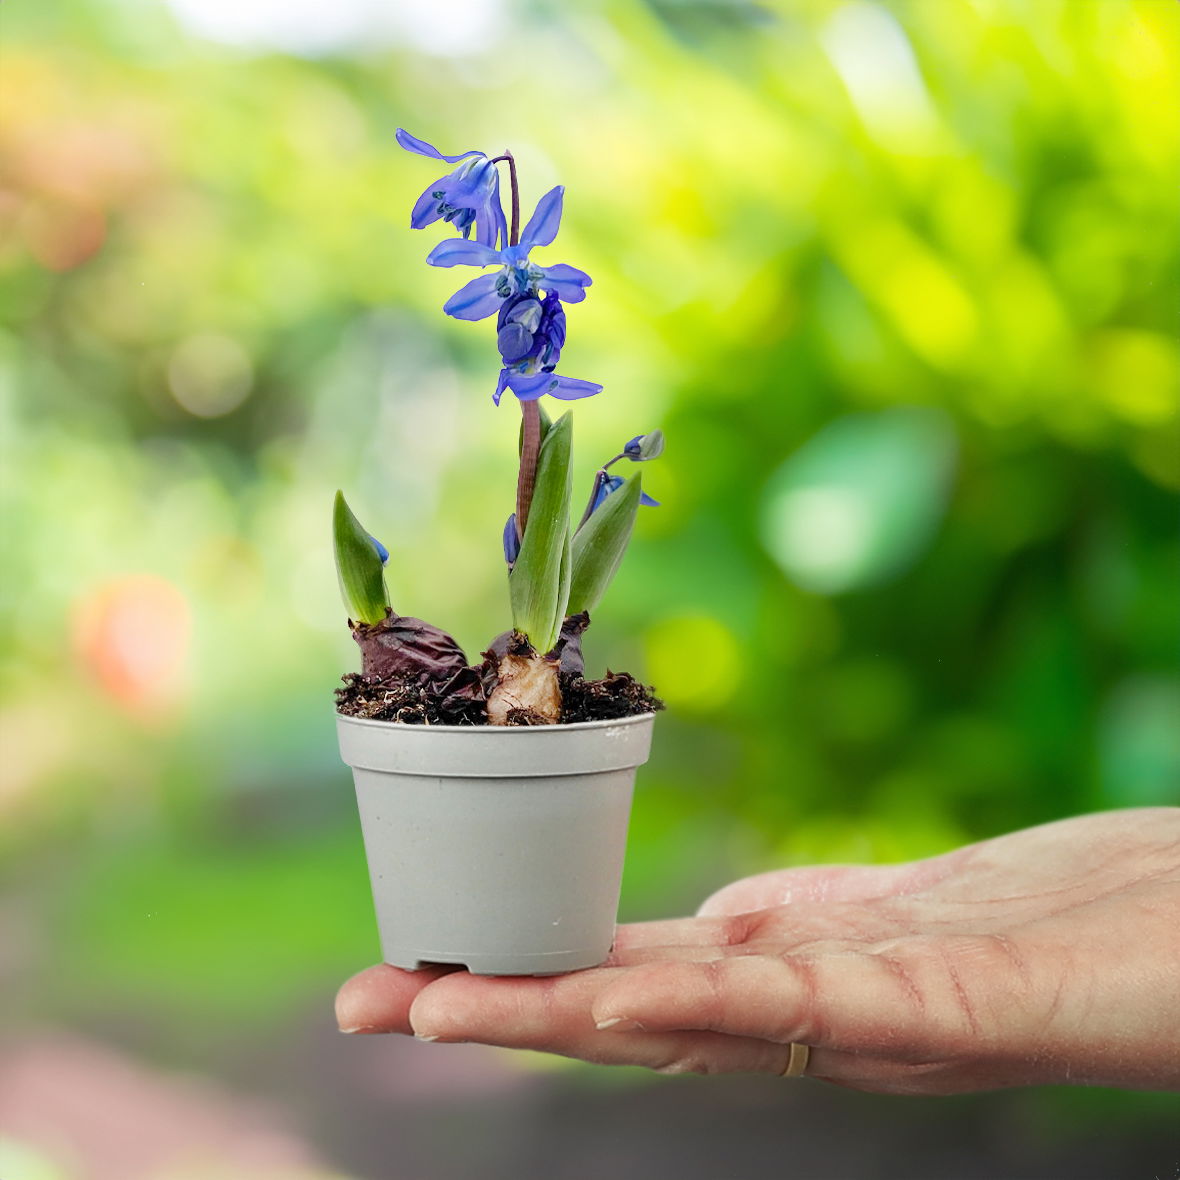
<point x="573" y="727"/>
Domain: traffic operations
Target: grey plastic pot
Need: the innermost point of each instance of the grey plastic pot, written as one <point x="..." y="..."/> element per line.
<point x="498" y="848"/>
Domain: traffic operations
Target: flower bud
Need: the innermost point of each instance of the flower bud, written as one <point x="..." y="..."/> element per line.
<point x="604" y="485"/>
<point x="511" y="541"/>
<point x="382" y="552"/>
<point x="645" y="446"/>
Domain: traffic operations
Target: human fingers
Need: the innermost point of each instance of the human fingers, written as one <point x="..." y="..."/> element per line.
<point x="697" y="937"/>
<point x="556" y="1016"/>
<point x="378" y="999"/>
<point x="553" y="1016"/>
<point x="913" y="999"/>
<point x="683" y="932"/>
<point x="802" y="925"/>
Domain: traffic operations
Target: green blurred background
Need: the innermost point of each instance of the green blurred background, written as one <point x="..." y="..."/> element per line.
<point x="898" y="282"/>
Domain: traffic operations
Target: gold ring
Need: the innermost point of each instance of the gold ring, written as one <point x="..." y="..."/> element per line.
<point x="797" y="1062"/>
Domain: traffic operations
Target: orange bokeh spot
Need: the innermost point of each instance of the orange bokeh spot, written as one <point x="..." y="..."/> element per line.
<point x="133" y="635"/>
<point x="61" y="236"/>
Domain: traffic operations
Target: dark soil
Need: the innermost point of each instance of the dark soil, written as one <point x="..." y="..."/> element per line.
<point x="380" y="698"/>
<point x="391" y="698"/>
<point x="416" y="674"/>
<point x="617" y="695"/>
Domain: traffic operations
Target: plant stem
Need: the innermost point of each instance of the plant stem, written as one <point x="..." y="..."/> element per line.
<point x="529" y="450"/>
<point x="599" y="479"/>
<point x="514" y="232"/>
<point x="530" y="446"/>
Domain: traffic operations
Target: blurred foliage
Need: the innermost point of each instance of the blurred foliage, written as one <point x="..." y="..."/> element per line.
<point x="896" y="280"/>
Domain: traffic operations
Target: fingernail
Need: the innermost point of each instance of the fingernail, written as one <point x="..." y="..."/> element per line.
<point x="361" y="1028"/>
<point x="424" y="1037"/>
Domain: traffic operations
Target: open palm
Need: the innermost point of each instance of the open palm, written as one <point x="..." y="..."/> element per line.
<point x="1049" y="955"/>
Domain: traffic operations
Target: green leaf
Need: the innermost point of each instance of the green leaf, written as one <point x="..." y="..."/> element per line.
<point x="362" y="578"/>
<point x="539" y="582"/>
<point x="566" y="576"/>
<point x="599" y="545"/>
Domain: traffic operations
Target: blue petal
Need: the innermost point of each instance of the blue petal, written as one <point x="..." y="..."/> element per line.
<point x="570" y="389"/>
<point x="543" y="225"/>
<point x="413" y="144"/>
<point x="425" y="209"/>
<point x="490" y="224"/>
<point x="382" y="552"/>
<point x="567" y="282"/>
<point x="460" y="252"/>
<point x="501" y="385"/>
<point x="515" y="342"/>
<point x="474" y="300"/>
<point x="631" y="450"/>
<point x="604" y="486"/>
<point x="528" y="388"/>
<point x="489" y="214"/>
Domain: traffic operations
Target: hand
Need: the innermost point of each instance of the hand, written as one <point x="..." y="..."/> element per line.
<point x="1050" y="955"/>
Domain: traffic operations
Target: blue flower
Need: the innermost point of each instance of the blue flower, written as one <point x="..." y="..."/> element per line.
<point x="529" y="328"/>
<point x="470" y="194"/>
<point x="517" y="275"/>
<point x="606" y="485"/>
<point x="530" y="333"/>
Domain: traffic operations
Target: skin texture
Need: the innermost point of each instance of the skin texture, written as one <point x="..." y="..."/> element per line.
<point x="1051" y="955"/>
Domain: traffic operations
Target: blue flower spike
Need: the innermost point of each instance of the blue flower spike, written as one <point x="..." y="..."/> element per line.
<point x="554" y="570"/>
<point x="470" y="195"/>
<point x="530" y="328"/>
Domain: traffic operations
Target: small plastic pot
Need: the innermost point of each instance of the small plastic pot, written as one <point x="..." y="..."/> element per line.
<point x="497" y="848"/>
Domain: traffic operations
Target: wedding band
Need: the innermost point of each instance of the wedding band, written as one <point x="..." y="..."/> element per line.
<point x="797" y="1062"/>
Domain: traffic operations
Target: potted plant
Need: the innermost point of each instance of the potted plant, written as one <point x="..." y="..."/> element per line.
<point x="495" y="796"/>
